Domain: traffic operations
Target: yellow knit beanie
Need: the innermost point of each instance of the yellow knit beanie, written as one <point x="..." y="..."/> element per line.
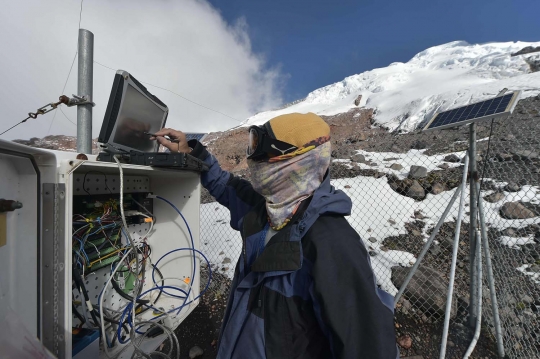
<point x="301" y="130"/>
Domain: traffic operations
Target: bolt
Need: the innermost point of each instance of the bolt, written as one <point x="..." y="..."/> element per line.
<point x="7" y="205"/>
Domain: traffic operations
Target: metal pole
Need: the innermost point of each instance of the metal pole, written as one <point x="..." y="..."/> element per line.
<point x="426" y="246"/>
<point x="490" y="278"/>
<point x="479" y="303"/>
<point x="450" y="293"/>
<point x="472" y="224"/>
<point x="85" y="88"/>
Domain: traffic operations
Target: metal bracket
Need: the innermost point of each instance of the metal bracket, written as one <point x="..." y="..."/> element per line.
<point x="80" y="100"/>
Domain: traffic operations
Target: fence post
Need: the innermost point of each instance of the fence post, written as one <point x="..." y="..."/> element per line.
<point x="454" y="260"/>
<point x="472" y="224"/>
<point x="490" y="278"/>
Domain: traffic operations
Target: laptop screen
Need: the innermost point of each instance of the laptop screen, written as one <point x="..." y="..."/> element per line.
<point x="132" y="112"/>
<point x="137" y="116"/>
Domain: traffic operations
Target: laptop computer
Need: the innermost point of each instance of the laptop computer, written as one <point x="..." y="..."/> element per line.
<point x="132" y="114"/>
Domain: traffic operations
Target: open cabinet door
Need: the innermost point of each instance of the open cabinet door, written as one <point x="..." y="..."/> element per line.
<point x="22" y="173"/>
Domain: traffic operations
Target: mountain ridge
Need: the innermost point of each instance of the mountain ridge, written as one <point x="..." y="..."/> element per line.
<point x="438" y="78"/>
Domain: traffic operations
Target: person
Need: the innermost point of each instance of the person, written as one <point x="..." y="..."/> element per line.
<point x="303" y="286"/>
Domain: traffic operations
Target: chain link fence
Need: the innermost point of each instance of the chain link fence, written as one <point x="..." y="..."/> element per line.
<point x="400" y="186"/>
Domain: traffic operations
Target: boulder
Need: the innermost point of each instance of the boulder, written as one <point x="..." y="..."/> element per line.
<point x="515" y="210"/>
<point x="362" y="136"/>
<point x="501" y="156"/>
<point x="416" y="191"/>
<point x="405" y="342"/>
<point x="357" y="101"/>
<point x="508" y="137"/>
<point x="512" y="187"/>
<point x="195" y="352"/>
<point x="396" y="167"/>
<point x="342" y="152"/>
<point x="358" y="158"/>
<point x="437" y="188"/>
<point x="525" y="155"/>
<point x="494" y="197"/>
<point x="426" y="291"/>
<point x="419" y="145"/>
<point x="444" y="166"/>
<point x="534" y="63"/>
<point x="510" y="232"/>
<point x="417" y="172"/>
<point x="452" y="158"/>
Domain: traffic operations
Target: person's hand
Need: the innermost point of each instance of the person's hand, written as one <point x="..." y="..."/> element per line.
<point x="180" y="146"/>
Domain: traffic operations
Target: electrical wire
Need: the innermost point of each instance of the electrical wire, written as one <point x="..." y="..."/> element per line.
<point x="170" y="333"/>
<point x="17" y="124"/>
<point x="177" y="94"/>
<point x="145" y="209"/>
<point x="63" y="113"/>
<point x="131" y="242"/>
<point x="192" y="246"/>
<point x="71" y="67"/>
<point x="100" y="302"/>
<point x="161" y="288"/>
<point x="137" y="253"/>
<point x="486" y="161"/>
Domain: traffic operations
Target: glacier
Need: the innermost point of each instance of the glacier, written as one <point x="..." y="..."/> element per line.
<point x="404" y="95"/>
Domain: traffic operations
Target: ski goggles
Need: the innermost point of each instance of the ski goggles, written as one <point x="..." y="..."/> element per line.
<point x="262" y="145"/>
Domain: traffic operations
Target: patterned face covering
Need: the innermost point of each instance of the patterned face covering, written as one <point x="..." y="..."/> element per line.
<point x="285" y="184"/>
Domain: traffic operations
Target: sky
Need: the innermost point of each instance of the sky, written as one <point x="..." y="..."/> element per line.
<point x="236" y="57"/>
<point x="318" y="43"/>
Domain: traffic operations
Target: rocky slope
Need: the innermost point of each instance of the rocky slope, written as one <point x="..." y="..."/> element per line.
<point x="56" y="142"/>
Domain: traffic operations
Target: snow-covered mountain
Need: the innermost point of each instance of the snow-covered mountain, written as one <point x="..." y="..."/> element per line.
<point x="442" y="77"/>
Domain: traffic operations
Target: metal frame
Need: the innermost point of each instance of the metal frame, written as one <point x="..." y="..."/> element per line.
<point x="53" y="269"/>
<point x="478" y="242"/>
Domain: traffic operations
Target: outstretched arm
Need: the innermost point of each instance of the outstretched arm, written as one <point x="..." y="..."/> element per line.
<point x="232" y="192"/>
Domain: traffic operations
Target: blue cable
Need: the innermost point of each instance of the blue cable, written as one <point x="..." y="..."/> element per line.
<point x="130" y="305"/>
<point x="187" y="295"/>
<point x="128" y="308"/>
<point x="192" y="246"/>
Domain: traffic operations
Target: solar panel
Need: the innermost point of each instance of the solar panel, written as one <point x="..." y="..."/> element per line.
<point x="500" y="106"/>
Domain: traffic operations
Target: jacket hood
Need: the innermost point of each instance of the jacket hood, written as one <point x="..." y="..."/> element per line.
<point x="325" y="200"/>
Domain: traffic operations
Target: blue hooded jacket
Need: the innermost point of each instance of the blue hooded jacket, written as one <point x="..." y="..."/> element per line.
<point x="310" y="293"/>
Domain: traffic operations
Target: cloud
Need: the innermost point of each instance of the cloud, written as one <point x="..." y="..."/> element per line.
<point x="183" y="45"/>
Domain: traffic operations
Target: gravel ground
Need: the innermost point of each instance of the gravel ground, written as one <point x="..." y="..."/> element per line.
<point x="201" y="328"/>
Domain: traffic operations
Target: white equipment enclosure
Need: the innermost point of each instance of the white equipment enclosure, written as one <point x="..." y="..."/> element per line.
<point x="43" y="241"/>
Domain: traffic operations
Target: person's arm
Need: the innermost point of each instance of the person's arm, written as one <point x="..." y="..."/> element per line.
<point x="356" y="316"/>
<point x="232" y="192"/>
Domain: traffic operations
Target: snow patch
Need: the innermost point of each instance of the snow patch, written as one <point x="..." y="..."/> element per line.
<point x="514" y="242"/>
<point x="525" y="269"/>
